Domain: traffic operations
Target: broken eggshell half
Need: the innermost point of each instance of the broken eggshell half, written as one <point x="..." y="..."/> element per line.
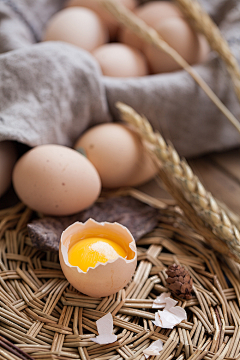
<point x="105" y="278"/>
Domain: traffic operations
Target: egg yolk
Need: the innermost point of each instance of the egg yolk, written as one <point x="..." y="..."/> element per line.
<point x="88" y="252"/>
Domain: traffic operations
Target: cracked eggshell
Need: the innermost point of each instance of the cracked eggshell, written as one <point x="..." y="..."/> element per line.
<point x="104" y="279"/>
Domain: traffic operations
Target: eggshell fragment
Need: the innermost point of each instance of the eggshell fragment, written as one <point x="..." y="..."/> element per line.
<point x="151" y="13"/>
<point x="56" y="180"/>
<point x="78" y="26"/>
<point x="119" y="60"/>
<point x="118" y="155"/>
<point x="107" y="18"/>
<point x="181" y="37"/>
<point x="105" y="330"/>
<point x="170" y="316"/>
<point x="154" y="349"/>
<point x="8" y="157"/>
<point x="103" y="279"/>
<point x="160" y="301"/>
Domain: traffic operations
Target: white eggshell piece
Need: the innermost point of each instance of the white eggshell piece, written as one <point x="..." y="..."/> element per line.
<point x="170" y="316"/>
<point x="103" y="279"/>
<point x="160" y="301"/>
<point x="56" y="180"/>
<point x="105" y="330"/>
<point x="154" y="349"/>
<point x="170" y="303"/>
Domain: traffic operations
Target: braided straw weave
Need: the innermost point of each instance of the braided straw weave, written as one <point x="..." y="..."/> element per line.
<point x="140" y="28"/>
<point x="200" y="208"/>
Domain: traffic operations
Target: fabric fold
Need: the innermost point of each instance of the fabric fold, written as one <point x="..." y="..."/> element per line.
<point x="52" y="92"/>
<point x="49" y="93"/>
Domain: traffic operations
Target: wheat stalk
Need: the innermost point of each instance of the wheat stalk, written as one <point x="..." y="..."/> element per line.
<point x="203" y="23"/>
<point x="140" y="28"/>
<point x="200" y="208"/>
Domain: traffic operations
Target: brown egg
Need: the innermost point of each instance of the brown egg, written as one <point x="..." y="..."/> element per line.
<point x="144" y="169"/>
<point x="204" y="48"/>
<point x="78" y="26"/>
<point x="151" y="12"/>
<point x="105" y="16"/>
<point x="117" y="154"/>
<point x="8" y="157"/>
<point x="56" y="180"/>
<point x="119" y="60"/>
<point x="180" y="36"/>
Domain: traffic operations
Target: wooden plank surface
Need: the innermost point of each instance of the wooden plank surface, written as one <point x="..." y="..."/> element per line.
<point x="219" y="173"/>
<point x="229" y="162"/>
<point x="219" y="182"/>
<point x="155" y="189"/>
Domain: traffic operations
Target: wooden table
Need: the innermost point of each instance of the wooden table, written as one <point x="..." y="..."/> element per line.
<point x="219" y="173"/>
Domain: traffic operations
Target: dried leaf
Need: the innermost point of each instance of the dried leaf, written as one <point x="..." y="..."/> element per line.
<point x="138" y="217"/>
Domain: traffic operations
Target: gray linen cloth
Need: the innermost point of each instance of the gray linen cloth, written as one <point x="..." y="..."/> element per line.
<point x="51" y="92"/>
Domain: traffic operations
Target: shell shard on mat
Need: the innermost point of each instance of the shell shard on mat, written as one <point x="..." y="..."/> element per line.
<point x="171" y="315"/>
<point x="154" y="349"/>
<point x="105" y="330"/>
<point x="160" y="301"/>
<point x="105" y="278"/>
<point x="170" y="303"/>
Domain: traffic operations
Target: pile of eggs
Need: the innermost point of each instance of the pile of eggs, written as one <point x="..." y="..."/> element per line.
<point x="119" y="52"/>
<point x="58" y="180"/>
<point x="98" y="259"/>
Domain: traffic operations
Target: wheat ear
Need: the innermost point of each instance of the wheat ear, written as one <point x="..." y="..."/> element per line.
<point x="199" y="206"/>
<point x="140" y="28"/>
<point x="204" y="24"/>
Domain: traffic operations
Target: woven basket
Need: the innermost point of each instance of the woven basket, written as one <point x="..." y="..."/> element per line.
<point x="46" y="318"/>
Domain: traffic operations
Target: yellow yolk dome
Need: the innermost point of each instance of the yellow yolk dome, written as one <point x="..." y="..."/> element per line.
<point x="88" y="252"/>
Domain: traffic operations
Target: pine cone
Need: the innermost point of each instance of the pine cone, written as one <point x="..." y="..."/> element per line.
<point x="179" y="281"/>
